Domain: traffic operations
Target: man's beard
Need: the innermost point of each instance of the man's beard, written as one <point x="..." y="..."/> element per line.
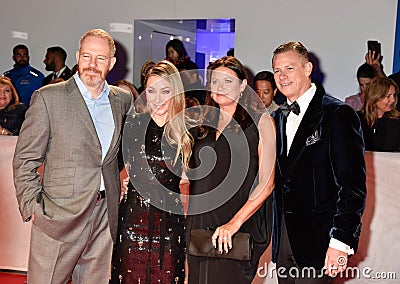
<point x="22" y="63"/>
<point x="50" y="66"/>
<point x="92" y="80"/>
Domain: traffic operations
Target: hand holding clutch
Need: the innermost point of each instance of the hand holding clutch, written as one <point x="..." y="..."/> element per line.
<point x="200" y="244"/>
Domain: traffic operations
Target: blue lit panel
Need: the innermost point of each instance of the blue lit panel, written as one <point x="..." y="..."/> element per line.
<point x="214" y="39"/>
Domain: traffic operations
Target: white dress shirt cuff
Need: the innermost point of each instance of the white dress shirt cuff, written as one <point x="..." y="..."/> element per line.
<point x="336" y="244"/>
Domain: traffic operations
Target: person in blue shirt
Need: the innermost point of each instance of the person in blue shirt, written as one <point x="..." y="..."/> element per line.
<point x="25" y="78"/>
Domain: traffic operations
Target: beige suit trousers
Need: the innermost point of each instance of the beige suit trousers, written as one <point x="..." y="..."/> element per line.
<point x="87" y="259"/>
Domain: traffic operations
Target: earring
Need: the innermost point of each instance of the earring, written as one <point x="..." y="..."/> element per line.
<point x="241" y="95"/>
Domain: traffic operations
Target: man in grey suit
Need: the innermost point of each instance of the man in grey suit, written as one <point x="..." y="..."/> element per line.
<point x="74" y="129"/>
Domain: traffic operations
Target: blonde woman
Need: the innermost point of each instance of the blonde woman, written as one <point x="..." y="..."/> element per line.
<point x="157" y="147"/>
<point x="380" y="120"/>
<point x="12" y="111"/>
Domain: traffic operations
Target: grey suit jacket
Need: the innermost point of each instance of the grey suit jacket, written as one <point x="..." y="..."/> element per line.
<point x="58" y="131"/>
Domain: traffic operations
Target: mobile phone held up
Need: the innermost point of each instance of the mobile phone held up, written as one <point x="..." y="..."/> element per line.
<point x="374" y="45"/>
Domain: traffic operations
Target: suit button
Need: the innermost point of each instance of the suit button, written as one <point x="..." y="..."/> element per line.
<point x="98" y="147"/>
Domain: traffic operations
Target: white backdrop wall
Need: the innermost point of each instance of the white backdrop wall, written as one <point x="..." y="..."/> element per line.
<point x="335" y="31"/>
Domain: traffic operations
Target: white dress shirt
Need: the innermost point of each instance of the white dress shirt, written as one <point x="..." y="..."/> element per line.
<point x="293" y="120"/>
<point x="58" y="73"/>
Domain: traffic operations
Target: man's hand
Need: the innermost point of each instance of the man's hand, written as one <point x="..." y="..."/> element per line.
<point x="335" y="262"/>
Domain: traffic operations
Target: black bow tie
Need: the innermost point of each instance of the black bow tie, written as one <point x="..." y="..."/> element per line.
<point x="286" y="108"/>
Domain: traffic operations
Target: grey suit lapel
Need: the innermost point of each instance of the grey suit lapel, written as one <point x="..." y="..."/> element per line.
<point x="80" y="107"/>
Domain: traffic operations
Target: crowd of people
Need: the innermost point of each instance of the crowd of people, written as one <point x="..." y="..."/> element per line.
<point x="26" y="79"/>
<point x="242" y="164"/>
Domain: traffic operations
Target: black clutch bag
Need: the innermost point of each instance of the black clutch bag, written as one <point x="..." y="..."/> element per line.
<point x="200" y="245"/>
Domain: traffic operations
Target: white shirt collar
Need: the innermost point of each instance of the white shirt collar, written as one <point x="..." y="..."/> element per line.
<point x="293" y="121"/>
<point x="86" y="93"/>
<point x="305" y="99"/>
<point x="59" y="72"/>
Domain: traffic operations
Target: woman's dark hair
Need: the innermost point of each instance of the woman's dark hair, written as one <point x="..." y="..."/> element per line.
<point x="178" y="46"/>
<point x="366" y="71"/>
<point x="241" y="115"/>
<point x="131" y="87"/>
<point x="145" y="69"/>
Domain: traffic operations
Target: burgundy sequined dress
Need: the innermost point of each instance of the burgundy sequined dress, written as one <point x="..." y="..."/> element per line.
<point x="151" y="231"/>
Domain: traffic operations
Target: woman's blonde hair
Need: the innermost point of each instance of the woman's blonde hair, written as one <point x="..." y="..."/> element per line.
<point x="14" y="95"/>
<point x="176" y="131"/>
<point x="377" y="90"/>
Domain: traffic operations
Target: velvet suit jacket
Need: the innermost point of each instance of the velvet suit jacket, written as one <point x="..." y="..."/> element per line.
<point x="320" y="185"/>
<point x="58" y="131"/>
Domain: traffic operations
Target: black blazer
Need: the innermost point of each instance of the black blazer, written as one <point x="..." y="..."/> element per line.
<point x="320" y="186"/>
<point x="383" y="136"/>
<point x="66" y="74"/>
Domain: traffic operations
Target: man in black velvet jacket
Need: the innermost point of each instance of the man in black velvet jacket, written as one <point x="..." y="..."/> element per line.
<point x="320" y="188"/>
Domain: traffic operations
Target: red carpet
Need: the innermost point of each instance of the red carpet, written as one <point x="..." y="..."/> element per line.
<point x="12" y="278"/>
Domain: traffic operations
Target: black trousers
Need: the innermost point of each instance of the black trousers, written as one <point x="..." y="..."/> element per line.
<point x="289" y="272"/>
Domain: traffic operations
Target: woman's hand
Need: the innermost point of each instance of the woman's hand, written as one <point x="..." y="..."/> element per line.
<point x="375" y="62"/>
<point x="4" y="131"/>
<point x="223" y="236"/>
<point x="124" y="188"/>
